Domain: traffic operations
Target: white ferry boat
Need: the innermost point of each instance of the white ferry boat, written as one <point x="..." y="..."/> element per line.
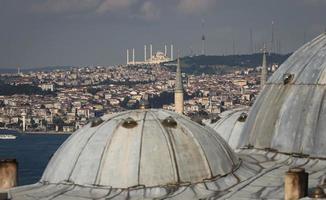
<point x="7" y="137"/>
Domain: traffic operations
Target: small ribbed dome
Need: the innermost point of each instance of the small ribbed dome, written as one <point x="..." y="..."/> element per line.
<point x="290" y="113"/>
<point x="230" y="126"/>
<point x="142" y="147"/>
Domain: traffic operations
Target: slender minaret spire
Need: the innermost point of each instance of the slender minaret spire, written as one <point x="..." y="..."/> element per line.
<point x="150" y="52"/>
<point x="127" y="56"/>
<point x="24" y="121"/>
<point x="178" y="91"/>
<point x="145" y="51"/>
<point x="133" y="56"/>
<point x="172" y="52"/>
<point x="165" y="50"/>
<point x="263" y="78"/>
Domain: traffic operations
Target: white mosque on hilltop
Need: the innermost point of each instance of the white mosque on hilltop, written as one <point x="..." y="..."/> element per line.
<point x="276" y="150"/>
<point x="157" y="58"/>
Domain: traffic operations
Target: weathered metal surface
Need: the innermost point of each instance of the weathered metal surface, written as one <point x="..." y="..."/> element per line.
<point x="209" y="189"/>
<point x="290" y="118"/>
<point x="260" y="176"/>
<point x="269" y="183"/>
<point x="149" y="153"/>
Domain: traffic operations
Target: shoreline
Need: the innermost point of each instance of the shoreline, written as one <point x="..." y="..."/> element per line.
<point x="36" y="132"/>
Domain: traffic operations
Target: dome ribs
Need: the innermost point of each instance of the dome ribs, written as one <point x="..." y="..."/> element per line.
<point x="141" y="146"/>
<point x="170" y="148"/>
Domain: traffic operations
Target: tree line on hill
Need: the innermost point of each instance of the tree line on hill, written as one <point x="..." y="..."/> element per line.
<point x="222" y="64"/>
<point x="7" y="90"/>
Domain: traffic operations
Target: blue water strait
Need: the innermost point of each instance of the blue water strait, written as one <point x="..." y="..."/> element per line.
<point x="32" y="151"/>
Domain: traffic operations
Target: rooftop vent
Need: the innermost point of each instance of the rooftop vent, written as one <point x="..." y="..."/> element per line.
<point x="97" y="121"/>
<point x="215" y="119"/>
<point x="287" y="78"/>
<point x="129" y="123"/>
<point x="169" y="122"/>
<point x="242" y="117"/>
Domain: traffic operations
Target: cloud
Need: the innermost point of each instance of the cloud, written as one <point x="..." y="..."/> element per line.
<point x="149" y="11"/>
<point x="114" y="5"/>
<point x="65" y="6"/>
<point x="315" y="2"/>
<point x="196" y="6"/>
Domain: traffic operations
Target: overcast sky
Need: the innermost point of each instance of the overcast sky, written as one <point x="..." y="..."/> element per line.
<point x="85" y="32"/>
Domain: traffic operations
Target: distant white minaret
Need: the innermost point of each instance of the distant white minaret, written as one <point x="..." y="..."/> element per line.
<point x="24" y="121"/>
<point x="133" y="56"/>
<point x="127" y="56"/>
<point x="263" y="78"/>
<point x="178" y="91"/>
<point x="145" y="51"/>
<point x="151" y="51"/>
<point x="172" y="52"/>
<point x="165" y="50"/>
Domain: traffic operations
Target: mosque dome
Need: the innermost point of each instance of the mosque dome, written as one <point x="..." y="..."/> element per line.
<point x="230" y="125"/>
<point x="290" y="113"/>
<point x="142" y="147"/>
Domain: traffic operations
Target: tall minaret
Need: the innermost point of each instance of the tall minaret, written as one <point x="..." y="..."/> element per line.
<point x="150" y="52"/>
<point x="263" y="77"/>
<point x="133" y="56"/>
<point x="127" y="56"/>
<point x="165" y="50"/>
<point x="178" y="91"/>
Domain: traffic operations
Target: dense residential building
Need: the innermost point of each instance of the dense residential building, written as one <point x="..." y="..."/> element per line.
<point x="82" y="93"/>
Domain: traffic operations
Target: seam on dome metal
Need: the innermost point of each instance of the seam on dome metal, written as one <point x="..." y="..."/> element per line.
<point x="299" y="136"/>
<point x="54" y="156"/>
<point x="141" y="147"/>
<point x="201" y="149"/>
<point x="218" y="140"/>
<point x="63" y="192"/>
<point x="316" y="53"/>
<point x="82" y="149"/>
<point x="308" y="47"/>
<point x="106" y="147"/>
<point x="321" y="105"/>
<point x="170" y="148"/>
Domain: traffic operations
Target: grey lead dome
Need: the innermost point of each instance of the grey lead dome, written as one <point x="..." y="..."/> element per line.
<point x="290" y="113"/>
<point x="143" y="147"/>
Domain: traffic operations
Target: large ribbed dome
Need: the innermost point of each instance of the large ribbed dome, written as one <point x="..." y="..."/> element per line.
<point x="142" y="147"/>
<point x="290" y="113"/>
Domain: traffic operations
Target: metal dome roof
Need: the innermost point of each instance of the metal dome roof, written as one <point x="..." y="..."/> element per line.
<point x="290" y="113"/>
<point x="142" y="147"/>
